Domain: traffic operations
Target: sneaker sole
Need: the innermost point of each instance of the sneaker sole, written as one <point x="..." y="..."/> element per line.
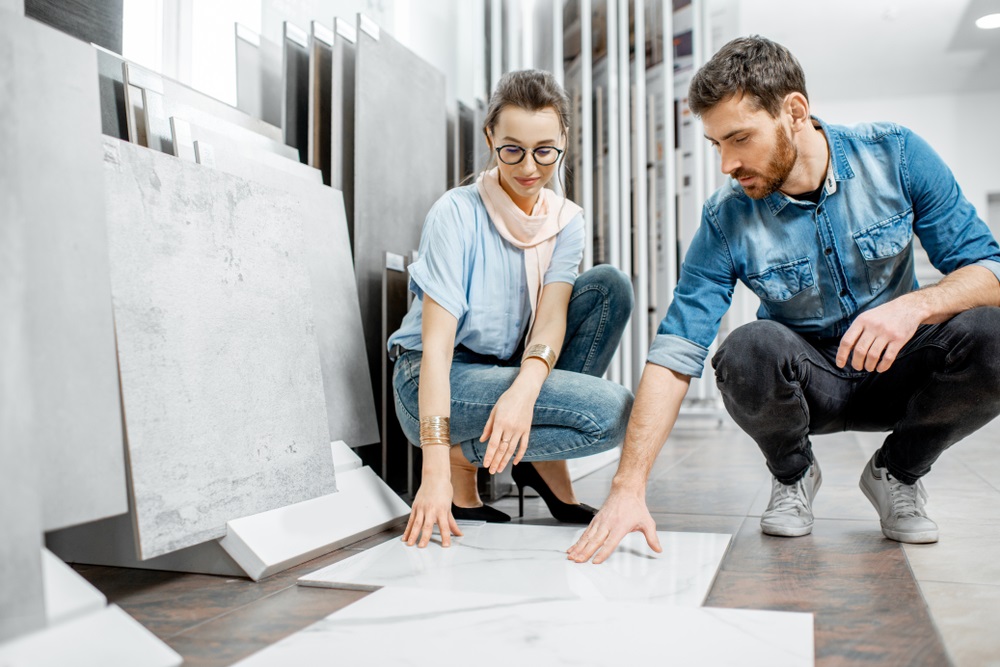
<point x="922" y="537"/>
<point x="785" y="531"/>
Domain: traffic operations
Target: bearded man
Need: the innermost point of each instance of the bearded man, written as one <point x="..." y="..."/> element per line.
<point x="818" y="220"/>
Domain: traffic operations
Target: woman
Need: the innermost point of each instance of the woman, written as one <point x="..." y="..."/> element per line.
<point x="477" y="378"/>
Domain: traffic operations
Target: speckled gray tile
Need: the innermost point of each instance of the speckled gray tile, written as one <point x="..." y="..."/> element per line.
<point x="220" y="369"/>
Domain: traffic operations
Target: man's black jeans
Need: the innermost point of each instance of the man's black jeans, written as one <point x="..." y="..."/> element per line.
<point x="781" y="387"/>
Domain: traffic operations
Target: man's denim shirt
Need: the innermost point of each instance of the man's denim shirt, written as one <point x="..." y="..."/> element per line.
<point x="815" y="267"/>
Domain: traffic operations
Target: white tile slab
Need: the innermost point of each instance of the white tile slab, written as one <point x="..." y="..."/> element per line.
<point x="346" y="382"/>
<point x="21" y="601"/>
<point x="531" y="560"/>
<point x="459" y="628"/>
<point x="220" y="369"/>
<point x="67" y="594"/>
<point x="282" y="538"/>
<point x="232" y="138"/>
<point x="71" y="332"/>
<point x="108" y="638"/>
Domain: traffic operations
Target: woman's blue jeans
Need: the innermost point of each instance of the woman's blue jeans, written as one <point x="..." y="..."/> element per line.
<point x="577" y="413"/>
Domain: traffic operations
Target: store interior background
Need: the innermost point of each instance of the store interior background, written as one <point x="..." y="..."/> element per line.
<point x="920" y="63"/>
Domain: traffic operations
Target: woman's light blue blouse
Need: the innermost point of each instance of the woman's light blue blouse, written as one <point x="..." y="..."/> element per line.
<point x="477" y="276"/>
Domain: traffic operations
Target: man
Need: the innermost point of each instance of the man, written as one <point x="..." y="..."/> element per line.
<point x="818" y="221"/>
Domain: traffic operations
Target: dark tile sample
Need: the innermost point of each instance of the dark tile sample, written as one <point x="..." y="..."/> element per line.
<point x="97" y="21"/>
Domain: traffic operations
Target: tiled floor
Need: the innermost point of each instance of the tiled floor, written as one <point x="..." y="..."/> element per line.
<point x="875" y="601"/>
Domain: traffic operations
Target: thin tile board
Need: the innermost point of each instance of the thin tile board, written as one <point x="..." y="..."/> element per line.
<point x="97" y="21"/>
<point x="67" y="594"/>
<point x="258" y="76"/>
<point x="274" y="13"/>
<point x="230" y="137"/>
<point x="531" y="560"/>
<point x="295" y="89"/>
<point x="342" y="116"/>
<point x="71" y="333"/>
<point x="530" y="630"/>
<point x="397" y="453"/>
<point x="21" y="598"/>
<point x="346" y="383"/>
<point x="162" y="98"/>
<point x="253" y="165"/>
<point x="220" y="370"/>
<point x="111" y="83"/>
<point x="108" y="638"/>
<point x="401" y="170"/>
<point x="320" y="74"/>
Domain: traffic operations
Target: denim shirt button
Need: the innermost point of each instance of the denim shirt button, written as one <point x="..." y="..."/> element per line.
<point x="829" y="251"/>
<point x="843" y="292"/>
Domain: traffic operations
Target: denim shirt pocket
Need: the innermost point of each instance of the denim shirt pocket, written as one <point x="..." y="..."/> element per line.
<point x="788" y="291"/>
<point x="882" y="245"/>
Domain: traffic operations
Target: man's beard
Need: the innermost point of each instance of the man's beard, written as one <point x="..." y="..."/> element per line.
<point x="779" y="167"/>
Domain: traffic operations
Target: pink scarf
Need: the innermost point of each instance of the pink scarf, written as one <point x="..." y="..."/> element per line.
<point x="534" y="233"/>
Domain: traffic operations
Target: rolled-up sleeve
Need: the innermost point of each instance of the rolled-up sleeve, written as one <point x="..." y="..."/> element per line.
<point x="949" y="228"/>
<point x="442" y="269"/>
<point x="568" y="253"/>
<point x="703" y="295"/>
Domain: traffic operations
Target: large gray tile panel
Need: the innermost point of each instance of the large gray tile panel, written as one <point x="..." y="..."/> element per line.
<point x="220" y="368"/>
<point x="342" y="116"/>
<point x="72" y="347"/>
<point x="258" y="76"/>
<point x="21" y="598"/>
<point x="295" y="89"/>
<point x="400" y="168"/>
<point x="347" y="385"/>
<point x="320" y="66"/>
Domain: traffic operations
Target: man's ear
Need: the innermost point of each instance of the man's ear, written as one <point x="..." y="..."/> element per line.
<point x="797" y="107"/>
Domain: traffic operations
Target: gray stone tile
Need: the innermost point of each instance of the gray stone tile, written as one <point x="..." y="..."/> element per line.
<point x="220" y="370"/>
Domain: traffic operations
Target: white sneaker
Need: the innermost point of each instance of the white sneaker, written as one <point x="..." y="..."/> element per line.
<point x="900" y="506"/>
<point x="789" y="514"/>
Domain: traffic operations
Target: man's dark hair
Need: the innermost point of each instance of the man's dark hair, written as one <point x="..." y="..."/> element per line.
<point x="753" y="66"/>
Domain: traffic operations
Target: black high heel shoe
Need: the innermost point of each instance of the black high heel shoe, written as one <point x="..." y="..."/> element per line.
<point x="526" y="475"/>
<point x="483" y="513"/>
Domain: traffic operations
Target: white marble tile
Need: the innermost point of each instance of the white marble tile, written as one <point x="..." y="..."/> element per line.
<point x="967" y="616"/>
<point x="531" y="560"/>
<point x="67" y="594"/>
<point x="459" y="628"/>
<point x="108" y="638"/>
<point x="220" y="368"/>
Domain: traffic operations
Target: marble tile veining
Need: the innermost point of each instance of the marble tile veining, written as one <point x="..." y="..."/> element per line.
<point x="462" y="628"/>
<point x="531" y="561"/>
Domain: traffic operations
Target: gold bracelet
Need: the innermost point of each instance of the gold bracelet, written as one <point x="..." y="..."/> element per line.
<point x="435" y="431"/>
<point x="543" y="352"/>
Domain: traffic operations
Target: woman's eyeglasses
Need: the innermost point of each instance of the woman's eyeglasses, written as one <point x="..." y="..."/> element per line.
<point x="543" y="155"/>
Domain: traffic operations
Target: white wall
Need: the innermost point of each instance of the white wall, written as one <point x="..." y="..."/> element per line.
<point x="960" y="127"/>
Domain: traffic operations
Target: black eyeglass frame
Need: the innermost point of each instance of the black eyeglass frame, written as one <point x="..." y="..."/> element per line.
<point x="524" y="152"/>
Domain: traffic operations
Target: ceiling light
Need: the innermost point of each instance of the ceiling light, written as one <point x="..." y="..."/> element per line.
<point x="988" y="22"/>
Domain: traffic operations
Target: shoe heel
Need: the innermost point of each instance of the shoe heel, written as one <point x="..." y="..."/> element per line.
<point x="520" y="500"/>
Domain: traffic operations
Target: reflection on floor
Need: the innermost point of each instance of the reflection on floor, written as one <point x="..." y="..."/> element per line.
<point x="874" y="601"/>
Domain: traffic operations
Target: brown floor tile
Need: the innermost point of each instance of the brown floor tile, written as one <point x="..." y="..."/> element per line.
<point x="168" y="603"/>
<point x="859" y="619"/>
<point x="238" y="634"/>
